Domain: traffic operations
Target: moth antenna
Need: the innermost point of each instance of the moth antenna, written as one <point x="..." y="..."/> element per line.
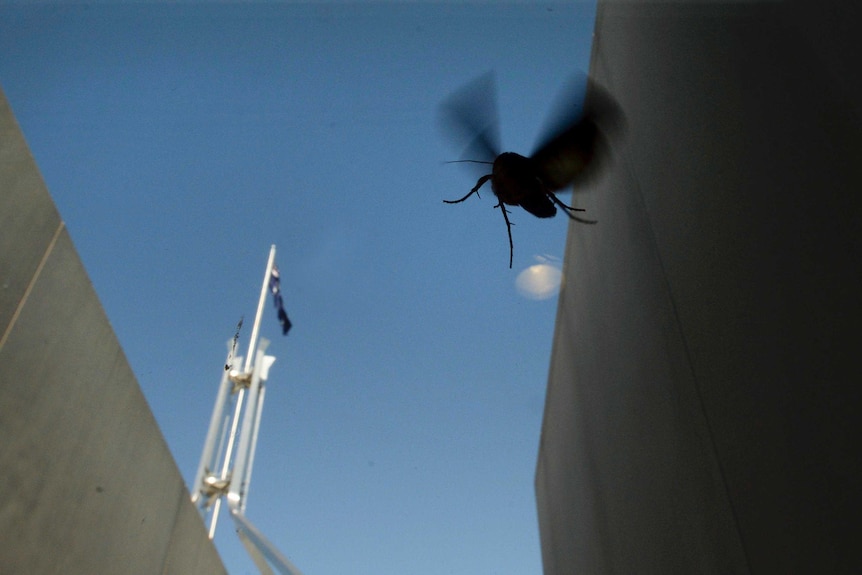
<point x="468" y="162"/>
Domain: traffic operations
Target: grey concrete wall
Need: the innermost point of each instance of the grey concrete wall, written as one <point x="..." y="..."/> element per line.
<point x="87" y="483"/>
<point x="702" y="410"/>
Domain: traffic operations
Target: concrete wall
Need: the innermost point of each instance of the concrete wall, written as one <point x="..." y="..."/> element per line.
<point x="702" y="409"/>
<point x="87" y="483"/>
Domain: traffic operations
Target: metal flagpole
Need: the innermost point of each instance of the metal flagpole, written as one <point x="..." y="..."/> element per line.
<point x="235" y="455"/>
<point x="260" y="548"/>
<point x="263" y="289"/>
<point x="226" y="474"/>
<point x="250" y="464"/>
<point x="249" y="359"/>
<point x="215" y="424"/>
<point x="238" y="479"/>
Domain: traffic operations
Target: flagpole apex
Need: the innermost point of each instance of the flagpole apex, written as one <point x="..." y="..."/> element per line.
<point x="252" y="344"/>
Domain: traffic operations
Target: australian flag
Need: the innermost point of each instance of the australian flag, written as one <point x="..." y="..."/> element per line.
<point x="275" y="288"/>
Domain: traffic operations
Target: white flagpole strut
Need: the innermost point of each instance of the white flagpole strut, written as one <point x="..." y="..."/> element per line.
<point x="256" y="328"/>
<point x="237" y="490"/>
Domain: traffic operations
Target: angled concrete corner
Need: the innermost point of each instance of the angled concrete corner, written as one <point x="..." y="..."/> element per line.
<point x="88" y="483"/>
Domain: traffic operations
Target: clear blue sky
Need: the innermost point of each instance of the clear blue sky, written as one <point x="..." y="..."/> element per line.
<point x="403" y="413"/>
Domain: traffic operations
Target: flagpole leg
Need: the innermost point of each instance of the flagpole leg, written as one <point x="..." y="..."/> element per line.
<point x="256" y="328"/>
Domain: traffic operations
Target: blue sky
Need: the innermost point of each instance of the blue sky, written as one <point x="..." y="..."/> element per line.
<point x="180" y="141"/>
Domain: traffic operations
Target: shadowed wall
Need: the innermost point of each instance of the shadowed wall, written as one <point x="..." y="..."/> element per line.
<point x="702" y="411"/>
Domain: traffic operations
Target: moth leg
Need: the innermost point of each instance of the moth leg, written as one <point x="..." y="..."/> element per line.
<point x="508" y="229"/>
<point x="569" y="209"/>
<point x="475" y="190"/>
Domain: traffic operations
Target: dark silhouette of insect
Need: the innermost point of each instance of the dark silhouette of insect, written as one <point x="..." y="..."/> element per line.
<point x="570" y="152"/>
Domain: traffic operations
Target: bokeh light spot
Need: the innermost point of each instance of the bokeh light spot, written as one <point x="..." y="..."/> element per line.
<point x="540" y="281"/>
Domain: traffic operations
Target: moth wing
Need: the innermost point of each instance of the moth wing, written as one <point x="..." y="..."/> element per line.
<point x="469" y="117"/>
<point x="576" y="141"/>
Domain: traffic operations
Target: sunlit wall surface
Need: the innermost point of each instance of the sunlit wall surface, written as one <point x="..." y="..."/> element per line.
<point x="87" y="484"/>
<point x="702" y="411"/>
